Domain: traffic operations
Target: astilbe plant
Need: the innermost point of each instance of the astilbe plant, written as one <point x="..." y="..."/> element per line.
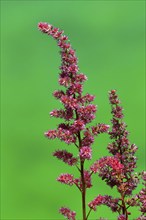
<point x="77" y="112"/>
<point x="118" y="170"/>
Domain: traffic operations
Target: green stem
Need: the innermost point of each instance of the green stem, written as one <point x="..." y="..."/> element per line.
<point x="88" y="214"/>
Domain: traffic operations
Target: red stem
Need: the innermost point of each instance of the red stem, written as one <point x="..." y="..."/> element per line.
<point x="83" y="191"/>
<point x="124" y="209"/>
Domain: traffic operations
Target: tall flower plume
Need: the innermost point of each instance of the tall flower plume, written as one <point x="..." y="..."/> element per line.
<point x="77" y="112"/>
<point x="117" y="170"/>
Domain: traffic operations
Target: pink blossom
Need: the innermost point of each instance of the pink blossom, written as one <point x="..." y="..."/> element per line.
<point x="88" y="138"/>
<point x="87" y="110"/>
<point x="69" y="102"/>
<point x="73" y="68"/>
<point x="58" y="94"/>
<point x="44" y="27"/>
<point x="124" y="141"/>
<point x="116" y="170"/>
<point x="86" y="152"/>
<point x="66" y="114"/>
<point x="57" y="113"/>
<point x="109" y="201"/>
<point x="81" y="78"/>
<point x="66" y="157"/>
<point x="78" y="125"/>
<point x="87" y="98"/>
<point x="65" y="81"/>
<point x="75" y="88"/>
<point x="97" y="201"/>
<point x="87" y="113"/>
<point x="70" y="215"/>
<point x="100" y="128"/>
<point x="112" y="162"/>
<point x="117" y="111"/>
<point x="66" y="136"/>
<point x="63" y="44"/>
<point x="113" y="97"/>
<point x="66" y="179"/>
<point x="51" y="134"/>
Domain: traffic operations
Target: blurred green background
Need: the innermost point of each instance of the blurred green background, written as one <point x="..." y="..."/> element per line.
<point x="109" y="40"/>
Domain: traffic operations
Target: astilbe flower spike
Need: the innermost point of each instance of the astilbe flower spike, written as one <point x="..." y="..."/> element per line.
<point x="118" y="170"/>
<point x="77" y="112"/>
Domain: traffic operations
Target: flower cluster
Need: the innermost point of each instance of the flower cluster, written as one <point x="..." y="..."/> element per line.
<point x="100" y="128"/>
<point x="77" y="112"/>
<point x="69" y="179"/>
<point x="70" y="215"/>
<point x="110" y="169"/>
<point x="121" y="147"/>
<point x="85" y="152"/>
<point x="62" y="133"/>
<point x="66" y="179"/>
<point x="118" y="169"/>
<point x="66" y="157"/>
<point x="104" y="200"/>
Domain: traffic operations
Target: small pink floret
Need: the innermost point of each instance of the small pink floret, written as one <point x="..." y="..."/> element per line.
<point x="44" y="27"/>
<point x="86" y="153"/>
<point x="70" y="215"/>
<point x="66" y="179"/>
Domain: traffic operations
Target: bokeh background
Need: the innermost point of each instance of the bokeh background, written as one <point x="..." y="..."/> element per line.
<point x="109" y="40"/>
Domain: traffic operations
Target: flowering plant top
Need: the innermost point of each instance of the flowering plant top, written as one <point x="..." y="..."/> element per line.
<point x="77" y="112"/>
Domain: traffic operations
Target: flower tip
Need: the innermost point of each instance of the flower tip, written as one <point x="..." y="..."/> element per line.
<point x="44" y="27"/>
<point x="112" y="91"/>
